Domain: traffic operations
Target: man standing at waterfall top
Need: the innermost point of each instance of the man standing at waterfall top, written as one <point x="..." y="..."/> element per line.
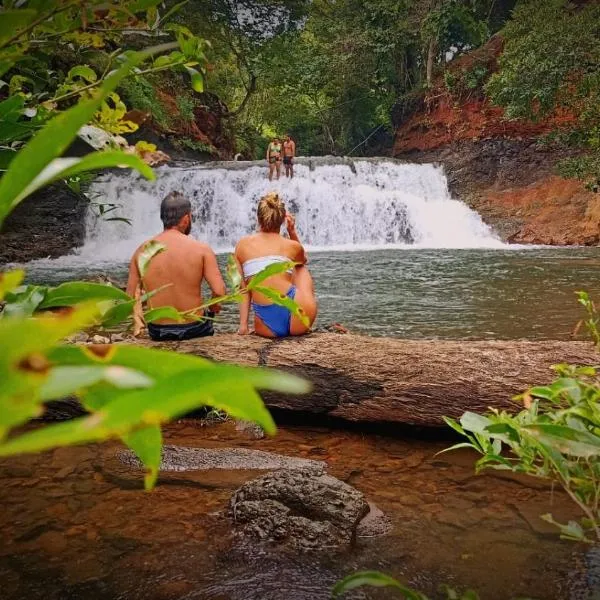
<point x="176" y="274"/>
<point x="289" y="153"/>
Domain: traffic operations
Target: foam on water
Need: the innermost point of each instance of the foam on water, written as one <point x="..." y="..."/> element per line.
<point x="338" y="205"/>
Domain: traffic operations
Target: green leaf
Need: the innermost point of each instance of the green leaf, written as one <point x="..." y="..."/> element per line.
<point x="11" y="21"/>
<point x="66" y="380"/>
<point x="118" y="313"/>
<point x="233" y="274"/>
<point x="164" y="312"/>
<point x="74" y="292"/>
<point x="223" y="387"/>
<point x="63" y="168"/>
<point x="84" y="72"/>
<point x="283" y="300"/>
<point x="172" y="11"/>
<point x="24" y="301"/>
<point x="566" y="440"/>
<point x="274" y="269"/>
<point x="55" y="137"/>
<point x="148" y="252"/>
<point x="374" y="579"/>
<point x="475" y="423"/>
<point x="147" y="445"/>
<point x="197" y="79"/>
<point x="9" y="281"/>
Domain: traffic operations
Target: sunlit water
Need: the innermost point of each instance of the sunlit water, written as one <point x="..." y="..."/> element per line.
<point x="77" y="525"/>
<point x="449" y="293"/>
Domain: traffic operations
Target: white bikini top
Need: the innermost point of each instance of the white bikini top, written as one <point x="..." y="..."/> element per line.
<point x="256" y="265"/>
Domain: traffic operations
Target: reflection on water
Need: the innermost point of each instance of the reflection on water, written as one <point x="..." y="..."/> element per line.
<point x="76" y="524"/>
<point x="477" y="294"/>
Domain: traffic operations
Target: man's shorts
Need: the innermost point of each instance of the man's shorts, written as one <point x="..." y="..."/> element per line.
<point x="287" y="160"/>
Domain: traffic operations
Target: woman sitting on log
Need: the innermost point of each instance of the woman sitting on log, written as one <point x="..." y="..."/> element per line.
<point x="256" y="252"/>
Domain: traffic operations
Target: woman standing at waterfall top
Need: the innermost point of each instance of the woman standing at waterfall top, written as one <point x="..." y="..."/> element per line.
<point x="267" y="247"/>
<point x="274" y="158"/>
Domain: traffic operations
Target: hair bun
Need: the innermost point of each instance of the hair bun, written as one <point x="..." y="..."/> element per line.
<point x="272" y="200"/>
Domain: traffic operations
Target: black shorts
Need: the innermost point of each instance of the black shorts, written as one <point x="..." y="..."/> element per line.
<point x="181" y="331"/>
<point x="287" y="160"/>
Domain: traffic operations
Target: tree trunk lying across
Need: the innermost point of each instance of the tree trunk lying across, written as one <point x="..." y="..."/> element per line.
<point x="370" y="379"/>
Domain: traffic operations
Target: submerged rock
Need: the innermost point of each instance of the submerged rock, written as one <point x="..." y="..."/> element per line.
<point x="301" y="509"/>
<point x="176" y="458"/>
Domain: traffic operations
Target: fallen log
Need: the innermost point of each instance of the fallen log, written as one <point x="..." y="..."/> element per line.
<point x="371" y="379"/>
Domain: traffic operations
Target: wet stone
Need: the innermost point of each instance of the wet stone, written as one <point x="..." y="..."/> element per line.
<point x="177" y="458"/>
<point x="299" y="509"/>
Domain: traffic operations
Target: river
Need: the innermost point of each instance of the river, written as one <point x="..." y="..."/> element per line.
<point x="392" y="254"/>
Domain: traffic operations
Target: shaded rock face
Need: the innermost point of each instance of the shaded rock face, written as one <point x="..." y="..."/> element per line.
<point x="50" y="222"/>
<point x="299" y="509"/>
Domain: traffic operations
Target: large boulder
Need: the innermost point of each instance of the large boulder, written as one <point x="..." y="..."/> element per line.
<point x="300" y="509"/>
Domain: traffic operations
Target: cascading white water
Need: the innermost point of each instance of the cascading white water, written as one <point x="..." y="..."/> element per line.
<point x="338" y="204"/>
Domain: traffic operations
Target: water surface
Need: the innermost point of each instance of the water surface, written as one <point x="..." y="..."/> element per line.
<point x="76" y="524"/>
<point x="423" y="293"/>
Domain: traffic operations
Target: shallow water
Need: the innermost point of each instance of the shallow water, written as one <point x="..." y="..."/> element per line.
<point x="76" y="524"/>
<point x="417" y="293"/>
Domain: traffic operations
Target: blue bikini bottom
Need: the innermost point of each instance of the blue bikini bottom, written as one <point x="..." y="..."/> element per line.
<point x="276" y="318"/>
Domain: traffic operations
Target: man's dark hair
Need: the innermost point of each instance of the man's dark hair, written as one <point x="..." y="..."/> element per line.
<point x="173" y="208"/>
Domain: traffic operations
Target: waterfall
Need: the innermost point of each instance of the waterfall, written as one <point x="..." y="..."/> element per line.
<point x="338" y="203"/>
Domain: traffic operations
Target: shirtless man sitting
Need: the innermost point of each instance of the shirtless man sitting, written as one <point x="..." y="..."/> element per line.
<point x="180" y="269"/>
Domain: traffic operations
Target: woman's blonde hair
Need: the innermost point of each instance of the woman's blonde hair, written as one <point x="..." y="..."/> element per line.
<point x="271" y="212"/>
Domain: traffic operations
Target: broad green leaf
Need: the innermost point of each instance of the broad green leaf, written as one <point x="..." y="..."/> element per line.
<point x="11" y="21"/>
<point x="566" y="440"/>
<point x="274" y="269"/>
<point x="65" y="380"/>
<point x="282" y="300"/>
<point x="233" y="273"/>
<point x="148" y="252"/>
<point x="55" y="137"/>
<point x="452" y="423"/>
<point x="544" y="392"/>
<point x="118" y="313"/>
<point x="84" y="72"/>
<point x="164" y="312"/>
<point x="63" y="168"/>
<point x="147" y="445"/>
<point x="196" y="78"/>
<point x="24" y="366"/>
<point x="474" y="422"/>
<point x="503" y="431"/>
<point x="223" y="387"/>
<point x="23" y="301"/>
<point x="74" y="292"/>
<point x="10" y="280"/>
<point x="11" y="109"/>
<point x="374" y="579"/>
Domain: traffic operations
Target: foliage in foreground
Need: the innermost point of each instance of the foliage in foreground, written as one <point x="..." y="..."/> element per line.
<point x="129" y="391"/>
<point x="377" y="579"/>
<point x="556" y="436"/>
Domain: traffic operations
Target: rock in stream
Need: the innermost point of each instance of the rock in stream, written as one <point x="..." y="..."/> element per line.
<point x="300" y="509"/>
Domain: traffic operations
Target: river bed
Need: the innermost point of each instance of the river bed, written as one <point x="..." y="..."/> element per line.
<point x="77" y="524"/>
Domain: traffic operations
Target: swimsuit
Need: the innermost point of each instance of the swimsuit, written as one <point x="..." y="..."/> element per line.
<point x="181" y="331"/>
<point x="274" y="153"/>
<point x="276" y="318"/>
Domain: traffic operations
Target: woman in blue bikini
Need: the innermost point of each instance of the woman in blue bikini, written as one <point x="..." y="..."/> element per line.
<point x="255" y="252"/>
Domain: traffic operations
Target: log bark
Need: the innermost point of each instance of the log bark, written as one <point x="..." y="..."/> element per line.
<point x="370" y="379"/>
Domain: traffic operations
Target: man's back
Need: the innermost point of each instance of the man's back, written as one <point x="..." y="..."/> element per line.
<point x="180" y="269"/>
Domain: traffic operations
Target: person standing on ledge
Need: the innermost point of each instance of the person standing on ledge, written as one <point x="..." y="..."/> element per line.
<point x="289" y="153"/>
<point x="274" y="158"/>
<point x="178" y="272"/>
